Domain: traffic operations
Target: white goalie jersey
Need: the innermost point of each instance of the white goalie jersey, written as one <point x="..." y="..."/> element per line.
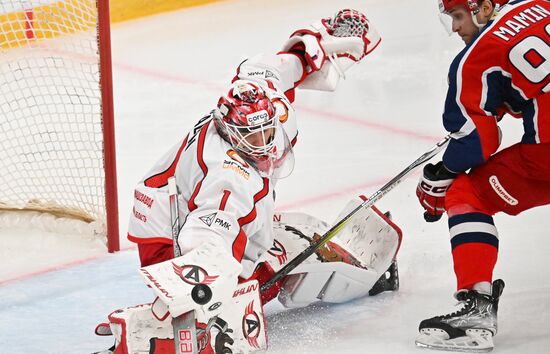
<point x="221" y="194"/>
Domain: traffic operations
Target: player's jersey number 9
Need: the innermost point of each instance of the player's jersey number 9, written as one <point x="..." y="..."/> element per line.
<point x="531" y="57"/>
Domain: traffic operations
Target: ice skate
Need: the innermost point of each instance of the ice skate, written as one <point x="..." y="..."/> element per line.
<point x="469" y="329"/>
<point x="106" y="351"/>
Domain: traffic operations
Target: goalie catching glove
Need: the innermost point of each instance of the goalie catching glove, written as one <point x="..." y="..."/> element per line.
<point x="331" y="46"/>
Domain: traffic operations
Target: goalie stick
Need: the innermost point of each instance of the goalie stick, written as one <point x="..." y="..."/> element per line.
<point x="296" y="261"/>
<point x="185" y="332"/>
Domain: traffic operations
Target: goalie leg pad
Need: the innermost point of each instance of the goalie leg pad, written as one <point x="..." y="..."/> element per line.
<point x="239" y="328"/>
<point x="364" y="262"/>
<point x="369" y="236"/>
<point x="134" y="327"/>
<point x="333" y="282"/>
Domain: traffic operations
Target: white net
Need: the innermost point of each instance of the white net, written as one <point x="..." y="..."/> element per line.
<point x="51" y="138"/>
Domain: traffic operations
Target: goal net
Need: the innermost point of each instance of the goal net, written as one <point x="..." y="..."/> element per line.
<point x="56" y="126"/>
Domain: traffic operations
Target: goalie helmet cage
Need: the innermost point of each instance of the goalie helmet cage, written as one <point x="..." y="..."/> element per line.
<point x="56" y="112"/>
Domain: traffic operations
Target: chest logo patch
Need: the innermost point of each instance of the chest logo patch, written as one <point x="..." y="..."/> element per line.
<point x="501" y="192"/>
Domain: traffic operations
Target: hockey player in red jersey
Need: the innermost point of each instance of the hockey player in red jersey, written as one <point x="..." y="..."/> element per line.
<point x="231" y="239"/>
<point x="504" y="69"/>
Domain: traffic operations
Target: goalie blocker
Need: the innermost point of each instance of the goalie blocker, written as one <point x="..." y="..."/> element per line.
<point x="358" y="261"/>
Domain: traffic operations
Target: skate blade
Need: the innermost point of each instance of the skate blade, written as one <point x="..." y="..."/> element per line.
<point x="475" y="341"/>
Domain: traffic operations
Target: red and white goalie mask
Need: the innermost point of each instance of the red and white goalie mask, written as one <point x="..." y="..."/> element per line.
<point x="250" y="120"/>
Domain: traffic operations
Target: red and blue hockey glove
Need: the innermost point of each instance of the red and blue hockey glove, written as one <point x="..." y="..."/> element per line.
<point x="431" y="190"/>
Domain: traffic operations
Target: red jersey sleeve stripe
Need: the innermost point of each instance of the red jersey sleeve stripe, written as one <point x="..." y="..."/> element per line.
<point x="200" y="150"/>
<point x="161" y="179"/>
<point x="241" y="240"/>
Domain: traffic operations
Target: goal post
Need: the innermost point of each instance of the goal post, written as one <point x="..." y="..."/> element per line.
<point x="106" y="84"/>
<point x="57" y="138"/>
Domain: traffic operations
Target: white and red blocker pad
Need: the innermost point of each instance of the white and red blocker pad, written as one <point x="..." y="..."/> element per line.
<point x="139" y="329"/>
<point x="246" y="319"/>
<point x="370" y="238"/>
<point x="173" y="281"/>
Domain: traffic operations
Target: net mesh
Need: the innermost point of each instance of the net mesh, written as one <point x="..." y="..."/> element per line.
<point x="51" y="139"/>
<point x="349" y="23"/>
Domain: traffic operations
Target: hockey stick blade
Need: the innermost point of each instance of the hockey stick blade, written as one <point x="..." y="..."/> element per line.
<point x="302" y="256"/>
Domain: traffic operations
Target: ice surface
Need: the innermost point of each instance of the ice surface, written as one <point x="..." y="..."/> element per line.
<point x="170" y="69"/>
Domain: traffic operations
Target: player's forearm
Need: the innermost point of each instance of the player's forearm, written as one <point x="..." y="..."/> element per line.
<point x="282" y="72"/>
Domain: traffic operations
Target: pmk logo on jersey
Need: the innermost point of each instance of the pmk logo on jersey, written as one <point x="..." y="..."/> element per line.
<point x="251" y="325"/>
<point x="257" y="117"/>
<point x="214" y="219"/>
<point x="208" y="219"/>
<point x="193" y="275"/>
<point x="278" y="251"/>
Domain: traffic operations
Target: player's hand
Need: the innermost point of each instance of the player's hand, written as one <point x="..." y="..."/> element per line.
<point x="431" y="190"/>
<point x="223" y="339"/>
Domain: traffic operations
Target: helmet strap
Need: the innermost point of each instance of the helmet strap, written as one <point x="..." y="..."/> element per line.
<point x="476" y="22"/>
<point x="496" y="8"/>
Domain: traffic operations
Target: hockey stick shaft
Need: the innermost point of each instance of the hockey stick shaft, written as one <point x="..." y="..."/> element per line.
<point x="174" y="214"/>
<point x="185" y="333"/>
<point x="344" y="221"/>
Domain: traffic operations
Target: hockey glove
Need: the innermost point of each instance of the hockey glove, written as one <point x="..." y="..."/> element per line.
<point x="341" y="40"/>
<point x="222" y="341"/>
<point x="431" y="190"/>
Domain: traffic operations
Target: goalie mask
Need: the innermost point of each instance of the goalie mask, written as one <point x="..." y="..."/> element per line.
<point x="250" y="120"/>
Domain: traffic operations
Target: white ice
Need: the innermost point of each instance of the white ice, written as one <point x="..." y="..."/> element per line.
<point x="170" y="69"/>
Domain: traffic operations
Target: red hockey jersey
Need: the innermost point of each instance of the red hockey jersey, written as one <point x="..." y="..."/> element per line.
<point x="506" y="68"/>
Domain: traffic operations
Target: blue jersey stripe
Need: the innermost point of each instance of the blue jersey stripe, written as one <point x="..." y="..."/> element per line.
<point x="470" y="217"/>
<point x="474" y="237"/>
